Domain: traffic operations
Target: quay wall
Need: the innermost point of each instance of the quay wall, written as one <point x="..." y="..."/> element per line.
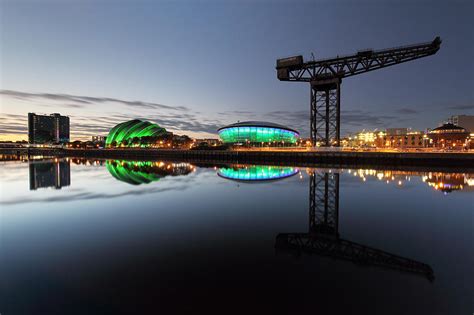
<point x="301" y="158"/>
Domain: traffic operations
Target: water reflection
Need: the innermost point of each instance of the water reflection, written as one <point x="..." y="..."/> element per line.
<point x="323" y="236"/>
<point x="256" y="172"/>
<point x="145" y="172"/>
<point x="441" y="181"/>
<point x="211" y="239"/>
<point x="448" y="182"/>
<point x="50" y="173"/>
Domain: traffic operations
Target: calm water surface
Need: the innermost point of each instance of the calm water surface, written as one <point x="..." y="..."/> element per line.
<point x="121" y="237"/>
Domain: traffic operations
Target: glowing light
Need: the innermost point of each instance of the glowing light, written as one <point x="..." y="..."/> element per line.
<point x="143" y="172"/>
<point x="257" y="172"/>
<point x="133" y="129"/>
<point x="257" y="134"/>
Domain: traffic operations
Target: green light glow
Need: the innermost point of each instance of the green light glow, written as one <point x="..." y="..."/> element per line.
<point x="130" y="172"/>
<point x="257" y="134"/>
<point x="144" y="172"/>
<point x="257" y="172"/>
<point x="133" y="129"/>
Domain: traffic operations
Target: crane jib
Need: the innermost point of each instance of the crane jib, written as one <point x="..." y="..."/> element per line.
<point x="325" y="98"/>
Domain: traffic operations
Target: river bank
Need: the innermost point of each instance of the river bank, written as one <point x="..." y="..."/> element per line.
<point x="302" y="158"/>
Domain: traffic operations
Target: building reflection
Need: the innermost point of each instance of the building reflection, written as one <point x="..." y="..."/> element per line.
<point x="144" y="172"/>
<point x="49" y="173"/>
<point x="323" y="237"/>
<point x="445" y="182"/>
<point x="448" y="182"/>
<point x="256" y="172"/>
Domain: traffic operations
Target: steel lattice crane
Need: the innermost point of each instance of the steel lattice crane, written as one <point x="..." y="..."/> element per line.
<point x="323" y="236"/>
<point x="325" y="77"/>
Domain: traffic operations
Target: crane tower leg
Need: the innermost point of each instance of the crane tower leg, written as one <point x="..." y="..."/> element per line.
<point x="325" y="112"/>
<point x="324" y="203"/>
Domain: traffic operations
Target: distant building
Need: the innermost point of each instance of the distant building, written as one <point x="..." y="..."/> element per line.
<point x="52" y="128"/>
<point x="465" y="121"/>
<point x="208" y="141"/>
<point x="400" y="138"/>
<point x="99" y="139"/>
<point x="49" y="174"/>
<point x="449" y="136"/>
<point x="390" y="138"/>
<point x="258" y="133"/>
<point x="361" y="139"/>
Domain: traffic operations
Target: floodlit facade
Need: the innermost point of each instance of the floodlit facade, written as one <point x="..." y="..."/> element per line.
<point x="257" y="132"/>
<point x="132" y="133"/>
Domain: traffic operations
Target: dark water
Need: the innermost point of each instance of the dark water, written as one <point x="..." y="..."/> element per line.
<point x="118" y="237"/>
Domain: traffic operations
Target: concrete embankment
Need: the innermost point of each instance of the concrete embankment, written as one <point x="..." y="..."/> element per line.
<point x="301" y="158"/>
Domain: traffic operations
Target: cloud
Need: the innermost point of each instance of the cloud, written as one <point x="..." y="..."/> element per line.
<point x="358" y="118"/>
<point x="406" y="111"/>
<point x="178" y="119"/>
<point x="93" y="195"/>
<point x="77" y="101"/>
<point x="462" y="107"/>
<point x="350" y="119"/>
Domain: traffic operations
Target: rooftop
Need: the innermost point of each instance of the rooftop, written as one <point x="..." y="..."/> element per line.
<point x="257" y="124"/>
<point x="449" y="127"/>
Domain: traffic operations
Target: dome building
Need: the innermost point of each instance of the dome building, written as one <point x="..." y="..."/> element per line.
<point x="257" y="133"/>
<point x="448" y="136"/>
<point x="133" y="133"/>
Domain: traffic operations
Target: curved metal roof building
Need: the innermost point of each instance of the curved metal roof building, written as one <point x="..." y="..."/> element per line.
<point x="133" y="129"/>
<point x="257" y="131"/>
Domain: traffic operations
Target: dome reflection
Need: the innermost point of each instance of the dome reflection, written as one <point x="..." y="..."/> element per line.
<point x="144" y="172"/>
<point x="256" y="172"/>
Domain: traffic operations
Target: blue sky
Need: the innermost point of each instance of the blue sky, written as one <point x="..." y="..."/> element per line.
<point x="193" y="66"/>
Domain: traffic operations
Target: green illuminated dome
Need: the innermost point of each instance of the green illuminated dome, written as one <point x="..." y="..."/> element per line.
<point x="133" y="131"/>
<point x="257" y="132"/>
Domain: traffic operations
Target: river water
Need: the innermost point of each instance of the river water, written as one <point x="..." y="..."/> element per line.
<point x="121" y="237"/>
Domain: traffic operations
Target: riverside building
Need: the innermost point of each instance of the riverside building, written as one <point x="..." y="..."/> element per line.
<point x="44" y="129"/>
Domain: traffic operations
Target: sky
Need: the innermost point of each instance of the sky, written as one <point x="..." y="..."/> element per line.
<point x="195" y="66"/>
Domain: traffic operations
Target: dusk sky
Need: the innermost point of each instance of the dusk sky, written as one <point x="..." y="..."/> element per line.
<point x="194" y="66"/>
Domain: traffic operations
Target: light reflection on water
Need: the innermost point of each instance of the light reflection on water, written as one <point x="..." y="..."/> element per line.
<point x="155" y="231"/>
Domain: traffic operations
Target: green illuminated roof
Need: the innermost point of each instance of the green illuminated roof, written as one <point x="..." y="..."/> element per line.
<point x="258" y="124"/>
<point x="133" y="129"/>
<point x="257" y="131"/>
<point x="256" y="172"/>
